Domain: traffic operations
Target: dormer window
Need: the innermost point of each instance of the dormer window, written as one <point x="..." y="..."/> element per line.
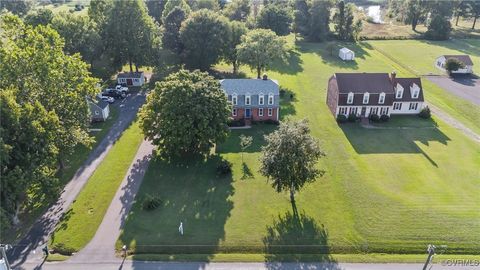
<point x="366" y="98"/>
<point x="270" y="99"/>
<point x="248" y="100"/>
<point x="381" y="98"/>
<point x="261" y="99"/>
<point x="234" y="99"/>
<point x="399" y="93"/>
<point x="350" y="98"/>
<point x="415" y="90"/>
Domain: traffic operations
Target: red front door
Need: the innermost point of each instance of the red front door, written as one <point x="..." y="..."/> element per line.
<point x="129" y="82"/>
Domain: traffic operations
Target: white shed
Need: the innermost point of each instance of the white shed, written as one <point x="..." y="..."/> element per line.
<point x="346" y="54"/>
<point x="131" y="78"/>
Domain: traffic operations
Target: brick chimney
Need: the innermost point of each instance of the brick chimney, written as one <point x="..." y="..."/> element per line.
<point x="265" y="77"/>
<point x="393" y="75"/>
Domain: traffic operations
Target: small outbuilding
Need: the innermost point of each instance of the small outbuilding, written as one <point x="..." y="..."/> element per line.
<point x="464" y="59"/>
<point x="131" y="78"/>
<point x="346" y="54"/>
<point x="99" y="110"/>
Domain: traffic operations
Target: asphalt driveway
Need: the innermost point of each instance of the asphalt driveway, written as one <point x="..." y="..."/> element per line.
<point x="466" y="86"/>
<point x="29" y="247"/>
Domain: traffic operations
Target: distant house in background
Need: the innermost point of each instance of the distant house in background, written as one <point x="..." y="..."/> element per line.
<point x="346" y="54"/>
<point x="99" y="110"/>
<point x="131" y="78"/>
<point x="364" y="94"/>
<point x="253" y="99"/>
<point x="465" y="59"/>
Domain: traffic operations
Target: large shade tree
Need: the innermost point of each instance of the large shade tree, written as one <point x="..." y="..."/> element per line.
<point x="187" y="113"/>
<point x="290" y="157"/>
<point x="346" y="27"/>
<point x="235" y="33"/>
<point x="204" y="36"/>
<point x="131" y="34"/>
<point x="33" y="62"/>
<point x="237" y="10"/>
<point x="260" y="48"/>
<point x="276" y="18"/>
<point x="171" y="30"/>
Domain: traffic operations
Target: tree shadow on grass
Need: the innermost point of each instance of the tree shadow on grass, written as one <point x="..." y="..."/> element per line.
<point x="246" y="172"/>
<point x="287" y="99"/>
<point x="191" y="193"/>
<point x="297" y="238"/>
<point x="292" y="65"/>
<point x="258" y="131"/>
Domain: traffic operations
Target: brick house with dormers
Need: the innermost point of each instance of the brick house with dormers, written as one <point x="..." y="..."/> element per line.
<point x="253" y="99"/>
<point x="364" y="94"/>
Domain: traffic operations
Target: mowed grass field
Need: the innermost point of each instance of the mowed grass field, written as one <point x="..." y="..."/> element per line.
<point x="384" y="191"/>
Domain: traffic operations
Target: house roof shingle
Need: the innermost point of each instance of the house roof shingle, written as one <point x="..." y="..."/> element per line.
<point x="251" y="86"/>
<point x="462" y="58"/>
<point x="364" y="82"/>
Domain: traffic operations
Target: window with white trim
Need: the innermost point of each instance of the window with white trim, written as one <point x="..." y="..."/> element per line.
<point x="413" y="106"/>
<point x="350" y="98"/>
<point x="366" y="98"/>
<point x="234" y="112"/>
<point x="399" y="93"/>
<point x="416" y="92"/>
<point x="374" y="110"/>
<point x="270" y="111"/>
<point x="234" y="99"/>
<point x="260" y="112"/>
<point x="261" y="99"/>
<point x="397" y="106"/>
<point x="384" y="110"/>
<point x="342" y="110"/>
<point x="270" y="99"/>
<point x="381" y="98"/>
<point x="248" y="100"/>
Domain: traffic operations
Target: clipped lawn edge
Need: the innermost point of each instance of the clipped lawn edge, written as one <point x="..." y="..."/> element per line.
<point x="81" y="221"/>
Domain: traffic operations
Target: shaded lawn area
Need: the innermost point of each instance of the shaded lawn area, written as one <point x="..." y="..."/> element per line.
<point x="81" y="221"/>
<point x="384" y="191"/>
<point x="73" y="162"/>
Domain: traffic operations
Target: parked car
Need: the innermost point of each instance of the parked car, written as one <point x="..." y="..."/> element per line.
<point x="114" y="93"/>
<point x="107" y="99"/>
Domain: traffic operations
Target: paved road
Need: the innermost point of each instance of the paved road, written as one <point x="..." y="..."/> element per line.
<point x="466" y="87"/>
<point x="29" y="248"/>
<point x="135" y="265"/>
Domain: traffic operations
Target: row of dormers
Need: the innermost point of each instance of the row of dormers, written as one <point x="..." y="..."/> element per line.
<point x="414" y="92"/>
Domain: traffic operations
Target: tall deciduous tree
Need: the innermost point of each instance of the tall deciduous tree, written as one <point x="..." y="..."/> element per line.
<point x="290" y="156"/>
<point x="473" y="11"/>
<point x="318" y="27"/>
<point x="439" y="26"/>
<point x="18" y="7"/>
<point x="237" y="10"/>
<point x="415" y="12"/>
<point x="186" y="113"/>
<point x="79" y="34"/>
<point x="171" y="30"/>
<point x="301" y="18"/>
<point x="204" y="36"/>
<point x="42" y="16"/>
<point x="276" y="18"/>
<point x="29" y="150"/>
<point x="172" y="4"/>
<point x="58" y="81"/>
<point x="131" y="33"/>
<point x="155" y="9"/>
<point x="343" y="19"/>
<point x="260" y="48"/>
<point x="235" y="33"/>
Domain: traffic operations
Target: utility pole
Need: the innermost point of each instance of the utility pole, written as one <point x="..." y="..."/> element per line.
<point x="431" y="253"/>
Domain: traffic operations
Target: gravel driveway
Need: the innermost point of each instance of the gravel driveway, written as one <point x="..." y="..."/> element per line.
<point x="466" y="87"/>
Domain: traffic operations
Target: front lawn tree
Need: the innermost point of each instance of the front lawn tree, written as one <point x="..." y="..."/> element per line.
<point x="187" y="113"/>
<point x="290" y="156"/>
<point x="204" y="36"/>
<point x="260" y="48"/>
<point x="245" y="142"/>
<point x="453" y="64"/>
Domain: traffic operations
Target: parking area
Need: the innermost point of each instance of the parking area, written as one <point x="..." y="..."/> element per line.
<point x="466" y="86"/>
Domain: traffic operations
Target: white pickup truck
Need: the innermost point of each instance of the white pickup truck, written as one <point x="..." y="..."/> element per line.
<point x="119" y="88"/>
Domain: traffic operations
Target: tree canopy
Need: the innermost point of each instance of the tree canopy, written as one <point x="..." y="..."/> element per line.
<point x="171" y="30"/>
<point x="453" y="64"/>
<point x="172" y="4"/>
<point x="235" y="33"/>
<point x="345" y="26"/>
<point x="260" y="48"/>
<point x="237" y="10"/>
<point x="204" y="36"/>
<point x="187" y="113"/>
<point x="276" y="18"/>
<point x="290" y="156"/>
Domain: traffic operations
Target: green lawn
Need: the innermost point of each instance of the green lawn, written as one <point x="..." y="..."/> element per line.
<point x="81" y="221"/>
<point x="387" y="190"/>
<point x="417" y="57"/>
